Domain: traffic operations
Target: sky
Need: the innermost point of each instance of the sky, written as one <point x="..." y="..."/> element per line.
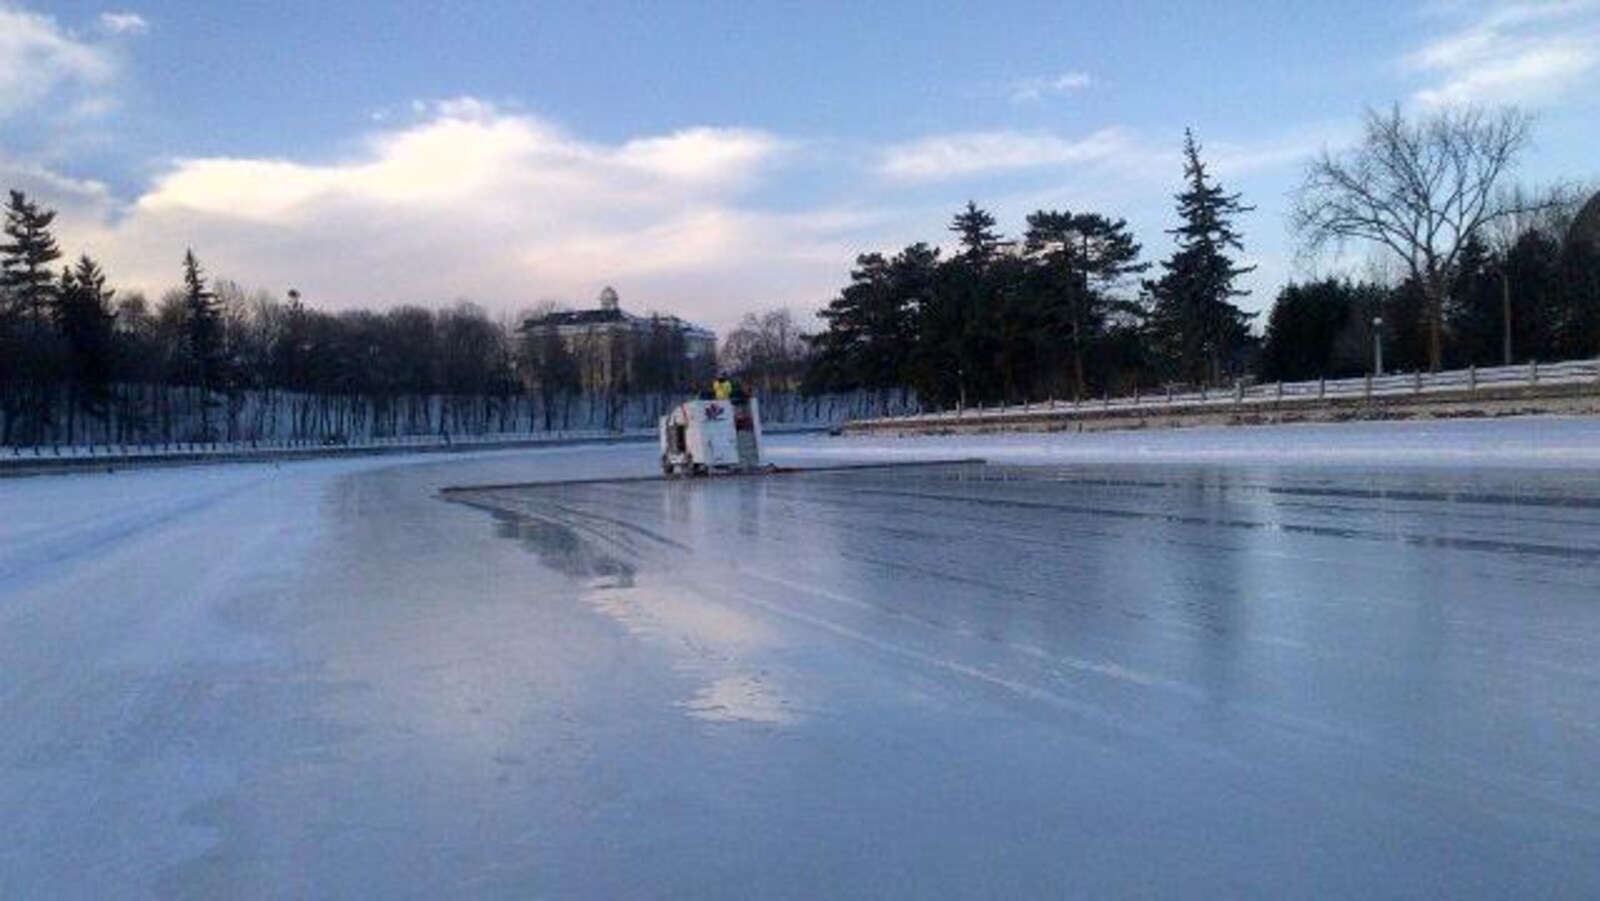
<point x="711" y="159"/>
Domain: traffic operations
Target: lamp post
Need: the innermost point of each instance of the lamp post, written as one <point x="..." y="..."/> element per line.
<point x="1377" y="345"/>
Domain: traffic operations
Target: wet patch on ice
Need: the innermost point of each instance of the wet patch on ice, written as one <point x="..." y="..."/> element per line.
<point x="740" y="697"/>
<point x="711" y="642"/>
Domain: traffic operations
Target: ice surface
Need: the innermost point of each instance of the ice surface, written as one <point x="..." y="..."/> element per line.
<point x="1259" y="662"/>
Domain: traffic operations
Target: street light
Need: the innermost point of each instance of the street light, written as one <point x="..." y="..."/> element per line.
<point x="1377" y="345"/>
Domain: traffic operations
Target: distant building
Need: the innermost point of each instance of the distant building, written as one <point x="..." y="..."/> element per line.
<point x="608" y="348"/>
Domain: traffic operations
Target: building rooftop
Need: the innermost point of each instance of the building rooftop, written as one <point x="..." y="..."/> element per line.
<point x="609" y="311"/>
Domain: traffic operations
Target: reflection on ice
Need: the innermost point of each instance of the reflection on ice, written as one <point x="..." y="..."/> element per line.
<point x="741" y="697"/>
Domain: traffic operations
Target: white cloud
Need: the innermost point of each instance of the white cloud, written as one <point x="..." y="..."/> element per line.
<point x="123" y="23"/>
<point x="38" y="58"/>
<point x="1517" y="52"/>
<point x="503" y="208"/>
<point x="972" y="153"/>
<point x="1031" y="89"/>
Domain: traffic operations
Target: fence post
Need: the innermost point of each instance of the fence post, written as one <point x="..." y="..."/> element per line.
<point x="1472" y="378"/>
<point x="1533" y="372"/>
<point x="1322" y="388"/>
<point x="1368" y="383"/>
<point x="1280" y="390"/>
<point x="1416" y="382"/>
<point x="1238" y="391"/>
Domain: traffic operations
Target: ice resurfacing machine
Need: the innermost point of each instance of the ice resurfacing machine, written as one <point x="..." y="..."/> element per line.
<point x="701" y="437"/>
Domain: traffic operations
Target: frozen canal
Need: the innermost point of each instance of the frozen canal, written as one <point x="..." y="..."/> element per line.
<point x="1169" y="664"/>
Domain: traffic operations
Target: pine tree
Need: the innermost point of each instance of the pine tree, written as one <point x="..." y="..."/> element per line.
<point x="1200" y="331"/>
<point x="971" y="297"/>
<point x="202" y="331"/>
<point x="979" y="241"/>
<point x="1473" y="310"/>
<point x="29" y="354"/>
<point x="85" y="317"/>
<point x="1084" y="256"/>
<point x="25" y="260"/>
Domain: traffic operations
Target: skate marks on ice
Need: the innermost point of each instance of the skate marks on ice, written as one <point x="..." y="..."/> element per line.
<point x="1297" y="603"/>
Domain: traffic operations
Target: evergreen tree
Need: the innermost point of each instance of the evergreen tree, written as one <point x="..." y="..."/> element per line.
<point x="29" y="354"/>
<point x="1200" y="332"/>
<point x="974" y="227"/>
<point x="1474" y="309"/>
<point x="1082" y="258"/>
<point x="25" y="260"/>
<point x="969" y="318"/>
<point x="871" y="324"/>
<point x="1580" y="319"/>
<point x="1541" y="323"/>
<point x="202" y="332"/>
<point x="1320" y="329"/>
<point x="85" y="319"/>
<point x="1407" y="343"/>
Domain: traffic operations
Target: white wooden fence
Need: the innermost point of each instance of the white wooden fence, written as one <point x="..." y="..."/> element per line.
<point x="1470" y="380"/>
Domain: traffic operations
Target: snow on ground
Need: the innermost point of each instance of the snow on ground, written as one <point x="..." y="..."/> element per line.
<point x="1178" y="663"/>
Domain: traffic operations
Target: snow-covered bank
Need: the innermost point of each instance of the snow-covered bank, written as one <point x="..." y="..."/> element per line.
<point x="1543" y="441"/>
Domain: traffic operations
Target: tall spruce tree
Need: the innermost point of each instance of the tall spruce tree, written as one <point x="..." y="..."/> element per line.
<point x="202" y="331"/>
<point x="29" y="353"/>
<point x="25" y="260"/>
<point x="85" y="317"/>
<point x="1201" y="333"/>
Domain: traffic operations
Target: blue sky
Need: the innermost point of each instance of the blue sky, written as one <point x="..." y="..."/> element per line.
<point x="709" y="158"/>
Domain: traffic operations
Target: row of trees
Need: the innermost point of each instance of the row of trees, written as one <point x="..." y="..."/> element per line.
<point x="1484" y="275"/>
<point x="1534" y="298"/>
<point x="1068" y="308"/>
<point x="71" y="346"/>
<point x="1062" y="312"/>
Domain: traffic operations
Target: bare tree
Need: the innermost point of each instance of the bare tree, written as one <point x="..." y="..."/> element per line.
<point x="768" y="350"/>
<point x="1420" y="189"/>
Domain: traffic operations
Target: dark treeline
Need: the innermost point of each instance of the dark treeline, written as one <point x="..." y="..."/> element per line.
<point x="1065" y="311"/>
<point x="1547" y="292"/>
<point x="71" y="346"/>
<point x="80" y="361"/>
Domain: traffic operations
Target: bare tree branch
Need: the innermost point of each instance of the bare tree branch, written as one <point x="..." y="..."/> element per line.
<point x="1420" y="189"/>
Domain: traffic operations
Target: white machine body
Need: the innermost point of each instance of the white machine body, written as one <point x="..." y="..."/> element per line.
<point x="700" y="437"/>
